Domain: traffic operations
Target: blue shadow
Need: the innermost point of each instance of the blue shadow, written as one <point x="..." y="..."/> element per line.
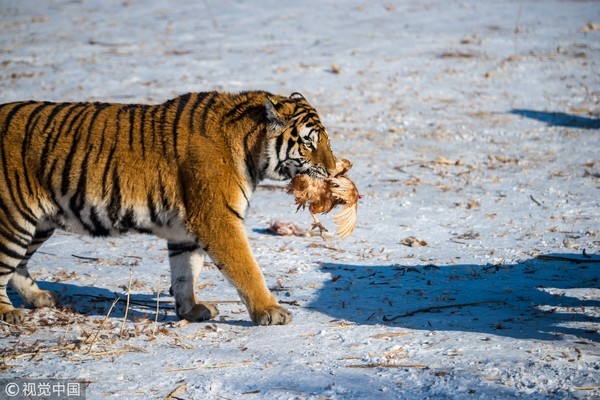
<point x="559" y="119"/>
<point x="521" y="300"/>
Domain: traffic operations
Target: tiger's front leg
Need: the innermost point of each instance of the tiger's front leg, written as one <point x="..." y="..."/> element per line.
<point x="225" y="241"/>
<point x="186" y="260"/>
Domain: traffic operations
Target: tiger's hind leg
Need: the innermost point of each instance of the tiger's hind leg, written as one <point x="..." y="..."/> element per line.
<point x="22" y="282"/>
<point x="186" y="261"/>
<point x="15" y="237"/>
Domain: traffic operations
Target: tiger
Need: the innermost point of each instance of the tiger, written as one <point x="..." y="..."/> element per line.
<point x="183" y="170"/>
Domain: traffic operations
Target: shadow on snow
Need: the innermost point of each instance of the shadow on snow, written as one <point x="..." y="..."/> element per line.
<point x="91" y="300"/>
<point x="522" y="300"/>
<point x="559" y="119"/>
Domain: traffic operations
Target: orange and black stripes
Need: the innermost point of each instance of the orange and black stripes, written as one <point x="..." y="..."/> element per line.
<point x="12" y="199"/>
<point x="66" y="141"/>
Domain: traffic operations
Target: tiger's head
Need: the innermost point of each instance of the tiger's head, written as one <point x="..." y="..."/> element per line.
<point x="297" y="141"/>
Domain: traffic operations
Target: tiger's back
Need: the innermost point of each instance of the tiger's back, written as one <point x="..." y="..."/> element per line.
<point x="183" y="170"/>
<point x="101" y="168"/>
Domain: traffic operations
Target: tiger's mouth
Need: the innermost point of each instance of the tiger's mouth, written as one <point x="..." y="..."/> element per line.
<point x="288" y="171"/>
<point x="315" y="172"/>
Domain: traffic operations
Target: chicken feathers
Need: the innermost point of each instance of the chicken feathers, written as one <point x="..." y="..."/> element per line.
<point x="321" y="195"/>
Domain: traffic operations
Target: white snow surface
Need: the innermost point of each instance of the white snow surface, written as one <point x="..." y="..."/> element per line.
<point x="473" y="126"/>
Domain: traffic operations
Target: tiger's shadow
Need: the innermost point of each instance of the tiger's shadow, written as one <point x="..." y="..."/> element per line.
<point x="521" y="300"/>
<point x="91" y="300"/>
<point x="96" y="301"/>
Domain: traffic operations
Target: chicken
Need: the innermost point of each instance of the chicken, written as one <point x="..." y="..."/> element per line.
<point x="321" y="195"/>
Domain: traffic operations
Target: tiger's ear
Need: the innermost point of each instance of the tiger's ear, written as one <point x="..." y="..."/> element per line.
<point x="275" y="111"/>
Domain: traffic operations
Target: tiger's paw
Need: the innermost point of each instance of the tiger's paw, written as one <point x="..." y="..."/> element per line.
<point x="274" y="315"/>
<point x="10" y="315"/>
<point x="44" y="298"/>
<point x="199" y="312"/>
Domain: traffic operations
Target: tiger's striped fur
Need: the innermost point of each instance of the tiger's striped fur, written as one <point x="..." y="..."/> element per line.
<point x="183" y="170"/>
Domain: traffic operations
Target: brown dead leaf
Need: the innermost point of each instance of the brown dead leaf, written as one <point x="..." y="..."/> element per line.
<point x="414" y="181"/>
<point x="335" y="69"/>
<point x="395" y="129"/>
<point x="471" y="40"/>
<point x="61" y="275"/>
<point x="590" y="27"/>
<point x="473" y="204"/>
<point x="412" y="241"/>
<point x="444" y="161"/>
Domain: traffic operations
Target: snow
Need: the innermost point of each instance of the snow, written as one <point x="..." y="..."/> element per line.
<point x="472" y="125"/>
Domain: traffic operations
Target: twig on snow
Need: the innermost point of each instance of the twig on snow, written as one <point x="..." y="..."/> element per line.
<point x="85" y="258"/>
<point x="586" y="387"/>
<point x="157" y="308"/>
<point x="214" y="366"/>
<point x="102" y="324"/>
<point x="126" y="349"/>
<point x="534" y="200"/>
<point x="569" y="259"/>
<point x="174" y="393"/>
<point x="432" y="308"/>
<point x="387" y="365"/>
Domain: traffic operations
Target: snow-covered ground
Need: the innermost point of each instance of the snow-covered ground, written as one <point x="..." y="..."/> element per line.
<point x="473" y="126"/>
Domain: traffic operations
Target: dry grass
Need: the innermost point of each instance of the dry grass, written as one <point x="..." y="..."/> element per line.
<point x="213" y="366"/>
<point x="579" y="388"/>
<point x="157" y="309"/>
<point x="102" y="324"/>
<point x="177" y="391"/>
<point x="387" y="365"/>
<point x="127" y="304"/>
<point x="388" y="336"/>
